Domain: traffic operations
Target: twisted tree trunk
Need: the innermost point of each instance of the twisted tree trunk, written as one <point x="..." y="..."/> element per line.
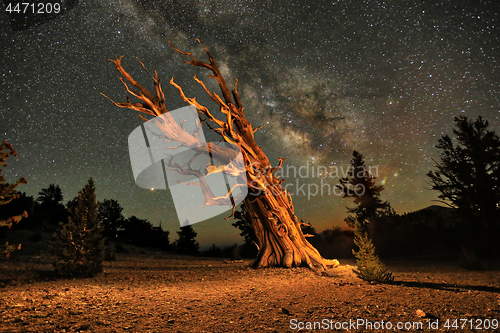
<point x="280" y="238"/>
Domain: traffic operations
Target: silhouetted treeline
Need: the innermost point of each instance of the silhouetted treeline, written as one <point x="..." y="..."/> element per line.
<point x="332" y="243"/>
<point x="432" y="232"/>
<point x="186" y="243"/>
<point x="47" y="210"/>
<point x="141" y="232"/>
<point x="231" y="252"/>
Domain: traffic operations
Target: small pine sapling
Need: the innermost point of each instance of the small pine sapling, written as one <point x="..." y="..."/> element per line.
<point x="369" y="266"/>
<point x="79" y="245"/>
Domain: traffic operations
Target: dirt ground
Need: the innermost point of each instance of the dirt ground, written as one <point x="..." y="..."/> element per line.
<point x="155" y="292"/>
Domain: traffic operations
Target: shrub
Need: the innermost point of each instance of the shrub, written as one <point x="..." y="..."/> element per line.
<point x="369" y="266"/>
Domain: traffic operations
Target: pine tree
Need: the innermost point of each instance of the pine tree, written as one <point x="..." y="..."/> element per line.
<point x="244" y="223"/>
<point x="137" y="231"/>
<point x="369" y="266"/>
<point x="360" y="186"/>
<point x="467" y="178"/>
<point x="468" y="175"/>
<point x="50" y="207"/>
<point x="79" y="244"/>
<point x="8" y="193"/>
<point x="186" y="244"/>
<point x="110" y="214"/>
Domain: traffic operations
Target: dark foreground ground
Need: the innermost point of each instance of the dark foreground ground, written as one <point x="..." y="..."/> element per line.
<point x="153" y="292"/>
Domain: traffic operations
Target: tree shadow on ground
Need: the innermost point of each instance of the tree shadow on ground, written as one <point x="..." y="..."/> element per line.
<point x="20" y="277"/>
<point x="447" y="286"/>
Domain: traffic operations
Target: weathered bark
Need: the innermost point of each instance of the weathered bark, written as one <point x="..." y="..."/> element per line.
<point x="280" y="238"/>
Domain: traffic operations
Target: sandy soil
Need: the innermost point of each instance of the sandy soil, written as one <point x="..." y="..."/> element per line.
<point x="154" y="292"/>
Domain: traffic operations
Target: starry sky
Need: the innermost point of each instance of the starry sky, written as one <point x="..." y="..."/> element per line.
<point x="383" y="77"/>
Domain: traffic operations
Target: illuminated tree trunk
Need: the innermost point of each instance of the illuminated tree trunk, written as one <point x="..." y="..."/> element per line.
<point x="280" y="238"/>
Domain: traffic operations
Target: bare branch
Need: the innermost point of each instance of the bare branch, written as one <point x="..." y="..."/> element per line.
<point x="258" y="128"/>
<point x="232" y="213"/>
<point x="281" y="160"/>
<point x="212" y="66"/>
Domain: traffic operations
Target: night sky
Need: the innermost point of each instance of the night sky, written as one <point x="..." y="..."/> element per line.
<point x="325" y="77"/>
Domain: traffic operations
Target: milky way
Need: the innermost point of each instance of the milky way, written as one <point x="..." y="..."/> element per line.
<point x="384" y="78"/>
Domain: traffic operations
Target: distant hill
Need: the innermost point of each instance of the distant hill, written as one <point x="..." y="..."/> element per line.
<point x="433" y="214"/>
<point x="436" y="209"/>
<point x="427" y="232"/>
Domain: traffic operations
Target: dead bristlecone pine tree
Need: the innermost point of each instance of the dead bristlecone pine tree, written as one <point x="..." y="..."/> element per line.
<point x="8" y="193"/>
<point x="369" y="267"/>
<point x="79" y="244"/>
<point x="279" y="237"/>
